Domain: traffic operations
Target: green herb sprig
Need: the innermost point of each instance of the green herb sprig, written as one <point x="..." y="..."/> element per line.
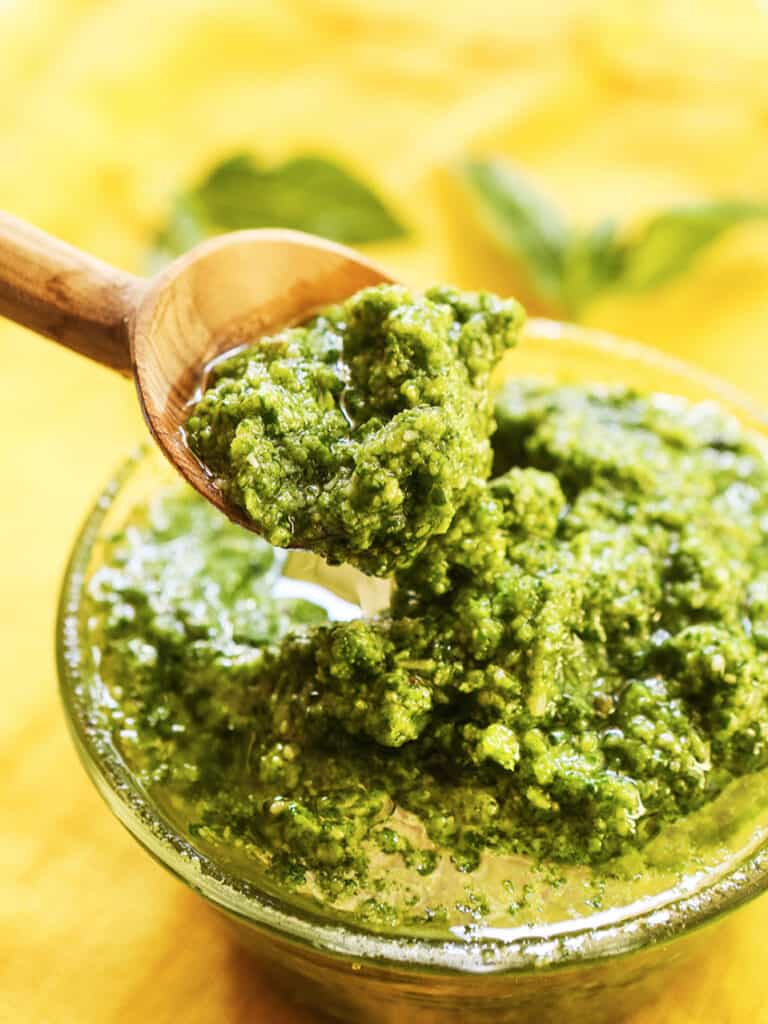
<point x="306" y="193"/>
<point x="567" y="267"/>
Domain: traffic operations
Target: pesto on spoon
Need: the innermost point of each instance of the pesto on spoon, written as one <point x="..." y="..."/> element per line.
<point x="357" y="434"/>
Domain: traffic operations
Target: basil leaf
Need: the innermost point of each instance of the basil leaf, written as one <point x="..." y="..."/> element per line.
<point x="566" y="267"/>
<point x="595" y="260"/>
<point x="670" y="242"/>
<point x="306" y="193"/>
<point x="523" y="222"/>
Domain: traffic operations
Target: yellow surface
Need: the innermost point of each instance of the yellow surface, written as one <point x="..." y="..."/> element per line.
<point x="105" y="107"/>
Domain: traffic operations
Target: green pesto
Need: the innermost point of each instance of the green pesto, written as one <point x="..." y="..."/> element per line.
<point x="581" y="657"/>
<point x="356" y="434"/>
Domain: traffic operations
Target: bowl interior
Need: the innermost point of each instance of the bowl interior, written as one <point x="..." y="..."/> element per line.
<point x="653" y="901"/>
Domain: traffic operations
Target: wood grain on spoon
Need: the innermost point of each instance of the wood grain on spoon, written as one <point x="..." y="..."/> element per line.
<point x="165" y="330"/>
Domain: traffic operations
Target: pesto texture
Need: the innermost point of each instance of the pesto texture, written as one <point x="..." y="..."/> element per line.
<point x="184" y="611"/>
<point x="356" y="434"/>
<point x="580" y="657"/>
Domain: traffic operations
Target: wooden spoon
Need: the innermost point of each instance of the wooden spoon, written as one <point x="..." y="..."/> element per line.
<point x="165" y="330"/>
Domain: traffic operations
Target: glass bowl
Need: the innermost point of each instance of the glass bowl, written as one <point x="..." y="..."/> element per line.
<point x="589" y="966"/>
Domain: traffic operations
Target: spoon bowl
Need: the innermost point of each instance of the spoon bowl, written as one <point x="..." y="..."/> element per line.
<point x="165" y="331"/>
<point x="227" y="292"/>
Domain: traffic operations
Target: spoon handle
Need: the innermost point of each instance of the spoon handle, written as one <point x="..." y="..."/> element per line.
<point x="65" y="294"/>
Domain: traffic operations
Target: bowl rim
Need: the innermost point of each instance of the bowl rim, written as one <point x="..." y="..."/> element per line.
<point x="470" y="949"/>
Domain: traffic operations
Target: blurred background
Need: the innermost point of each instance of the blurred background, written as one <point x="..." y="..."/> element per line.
<point x="602" y="160"/>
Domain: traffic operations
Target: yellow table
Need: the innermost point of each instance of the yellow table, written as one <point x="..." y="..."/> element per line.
<point x="105" y="108"/>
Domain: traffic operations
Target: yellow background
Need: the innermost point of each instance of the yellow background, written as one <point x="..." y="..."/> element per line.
<point x="106" y="108"/>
